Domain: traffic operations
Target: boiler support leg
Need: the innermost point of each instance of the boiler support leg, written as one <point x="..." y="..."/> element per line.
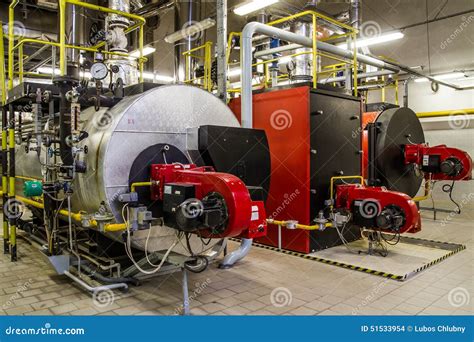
<point x="186" y="310"/>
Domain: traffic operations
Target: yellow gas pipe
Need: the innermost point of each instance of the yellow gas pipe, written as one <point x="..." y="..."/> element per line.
<point x="78" y="217"/>
<point x="297" y="225"/>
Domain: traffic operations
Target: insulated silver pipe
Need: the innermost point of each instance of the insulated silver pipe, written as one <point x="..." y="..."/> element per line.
<point x="359" y="76"/>
<point x="246" y="61"/>
<point x="279" y="49"/>
<point x="376" y="62"/>
<point x="222" y="49"/>
<point x="331" y="49"/>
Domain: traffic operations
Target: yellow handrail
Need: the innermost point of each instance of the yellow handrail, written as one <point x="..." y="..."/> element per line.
<point x="207" y="47"/>
<point x="318" y="15"/>
<point x="140" y="22"/>
<point x="11" y="41"/>
<point x="138" y="19"/>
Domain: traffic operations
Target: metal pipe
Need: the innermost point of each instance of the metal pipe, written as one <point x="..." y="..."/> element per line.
<point x="240" y="253"/>
<point x="354" y="14"/>
<point x="3" y="98"/>
<point x="97" y="289"/>
<point x="442" y="113"/>
<point x="405" y="92"/>
<point x="427" y="193"/>
<point x="296" y="225"/>
<point x="378" y="62"/>
<point x="186" y="13"/>
<point x="363" y="75"/>
<point x="246" y="61"/>
<point x="11" y="185"/>
<point x="6" y="230"/>
<point x="279" y="49"/>
<point x="77" y="217"/>
<point x="62" y="37"/>
<point x="75" y="23"/>
<point x="11" y="41"/>
<point x="222" y="49"/>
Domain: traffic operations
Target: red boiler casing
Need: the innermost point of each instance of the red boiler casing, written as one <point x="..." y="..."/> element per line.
<point x="313" y="135"/>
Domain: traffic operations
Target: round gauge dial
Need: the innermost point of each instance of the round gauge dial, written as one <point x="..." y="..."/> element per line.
<point x="99" y="71"/>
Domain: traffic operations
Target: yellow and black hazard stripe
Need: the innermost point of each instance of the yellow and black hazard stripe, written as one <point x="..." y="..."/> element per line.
<point x="434" y="262"/>
<point x="358" y="268"/>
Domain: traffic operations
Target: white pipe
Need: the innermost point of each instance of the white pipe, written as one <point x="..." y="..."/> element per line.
<point x="363" y="75"/>
<point x="231" y="258"/>
<point x="246" y="61"/>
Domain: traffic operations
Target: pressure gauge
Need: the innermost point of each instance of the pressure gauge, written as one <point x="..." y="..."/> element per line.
<point x="99" y="71"/>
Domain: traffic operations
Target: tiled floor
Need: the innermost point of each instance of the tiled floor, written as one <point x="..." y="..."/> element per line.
<point x="265" y="283"/>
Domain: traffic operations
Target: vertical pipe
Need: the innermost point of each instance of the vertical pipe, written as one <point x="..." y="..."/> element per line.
<point x="186" y="13"/>
<point x="74" y="26"/>
<point x="396" y="92"/>
<point x="209" y="65"/>
<point x="11" y="41"/>
<point x="383" y="90"/>
<point x="3" y="99"/>
<point x="62" y="37"/>
<point x="222" y="49"/>
<point x="405" y="93"/>
<point x="11" y="193"/>
<point x="355" y="71"/>
<point x="186" y="310"/>
<point x="140" y="49"/>
<point x="6" y="231"/>
<point x="315" y="52"/>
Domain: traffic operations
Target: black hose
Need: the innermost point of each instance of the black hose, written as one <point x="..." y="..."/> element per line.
<point x="448" y="188"/>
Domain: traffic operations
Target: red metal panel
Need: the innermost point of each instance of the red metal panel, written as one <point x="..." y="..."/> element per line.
<point x="367" y="118"/>
<point x="284" y="115"/>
